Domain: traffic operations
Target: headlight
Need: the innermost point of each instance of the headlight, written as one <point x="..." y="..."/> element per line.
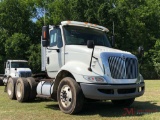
<point x="18" y="74"/>
<point x="140" y="79"/>
<point x="94" y="79"/>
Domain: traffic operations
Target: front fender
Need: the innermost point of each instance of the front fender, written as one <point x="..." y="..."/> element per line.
<point x="79" y="68"/>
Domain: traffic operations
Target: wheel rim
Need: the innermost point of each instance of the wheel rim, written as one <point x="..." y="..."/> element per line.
<point x="9" y="88"/>
<point x="66" y="96"/>
<point x="19" y="90"/>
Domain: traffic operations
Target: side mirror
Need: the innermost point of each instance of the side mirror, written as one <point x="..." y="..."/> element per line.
<point x="141" y="51"/>
<point x="113" y="41"/>
<point x="90" y="44"/>
<point x="45" y="36"/>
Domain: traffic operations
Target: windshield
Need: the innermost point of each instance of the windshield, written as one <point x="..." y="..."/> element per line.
<point x="75" y="35"/>
<point x="19" y="65"/>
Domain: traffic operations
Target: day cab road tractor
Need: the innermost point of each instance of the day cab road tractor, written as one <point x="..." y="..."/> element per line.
<point x="13" y="69"/>
<point x="80" y="65"/>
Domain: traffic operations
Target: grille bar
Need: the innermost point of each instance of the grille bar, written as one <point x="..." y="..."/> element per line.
<point x="25" y="74"/>
<point x="123" y="68"/>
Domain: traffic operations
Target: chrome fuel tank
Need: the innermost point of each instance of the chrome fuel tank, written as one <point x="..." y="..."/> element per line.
<point x="45" y="88"/>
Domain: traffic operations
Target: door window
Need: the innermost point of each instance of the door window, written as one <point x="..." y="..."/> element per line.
<point x="56" y="38"/>
<point x="8" y="65"/>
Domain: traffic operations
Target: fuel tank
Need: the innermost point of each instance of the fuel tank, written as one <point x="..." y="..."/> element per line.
<point x="45" y="88"/>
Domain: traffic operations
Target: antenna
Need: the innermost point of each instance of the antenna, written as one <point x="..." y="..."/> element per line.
<point x="44" y="16"/>
<point x="113" y="27"/>
<point x="114" y="6"/>
<point x="45" y="5"/>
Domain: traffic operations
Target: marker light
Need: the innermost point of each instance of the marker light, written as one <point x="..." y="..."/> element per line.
<point x="44" y="34"/>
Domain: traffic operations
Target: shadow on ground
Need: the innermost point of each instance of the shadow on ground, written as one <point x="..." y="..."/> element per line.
<point x="107" y="109"/>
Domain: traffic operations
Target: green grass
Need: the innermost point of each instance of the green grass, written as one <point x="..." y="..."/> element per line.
<point x="49" y="110"/>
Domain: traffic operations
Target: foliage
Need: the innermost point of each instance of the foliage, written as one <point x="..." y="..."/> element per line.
<point x="156" y="57"/>
<point x="16" y="46"/>
<point x="15" y="17"/>
<point x="17" y="31"/>
<point x="136" y="23"/>
<point x="3" y="37"/>
<point x="35" y="58"/>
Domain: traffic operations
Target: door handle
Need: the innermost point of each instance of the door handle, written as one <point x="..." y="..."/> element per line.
<point x="50" y="49"/>
<point x="47" y="60"/>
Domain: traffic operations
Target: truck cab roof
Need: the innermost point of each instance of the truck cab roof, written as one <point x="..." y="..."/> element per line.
<point x="84" y="24"/>
<point x="17" y="60"/>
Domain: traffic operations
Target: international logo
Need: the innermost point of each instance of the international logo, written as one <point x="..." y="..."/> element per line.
<point x="123" y="57"/>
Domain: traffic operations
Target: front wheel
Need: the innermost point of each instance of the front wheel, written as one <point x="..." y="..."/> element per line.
<point x="70" y="96"/>
<point x="123" y="103"/>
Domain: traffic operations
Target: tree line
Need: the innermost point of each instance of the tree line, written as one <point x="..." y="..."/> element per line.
<point x="136" y="23"/>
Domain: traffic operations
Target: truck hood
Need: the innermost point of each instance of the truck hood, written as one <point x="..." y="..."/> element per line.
<point x="23" y="69"/>
<point x="97" y="49"/>
<point x="116" y="66"/>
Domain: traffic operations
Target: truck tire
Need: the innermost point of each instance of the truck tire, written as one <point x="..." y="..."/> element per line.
<point x="11" y="88"/>
<point x="22" y="90"/>
<point x="70" y="96"/>
<point x="123" y="103"/>
<point x="33" y="86"/>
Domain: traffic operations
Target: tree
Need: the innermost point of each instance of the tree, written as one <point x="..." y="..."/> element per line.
<point x="15" y="17"/>
<point x="3" y="37"/>
<point x="16" y="46"/>
<point x="137" y="24"/>
<point x="156" y="57"/>
<point x="35" y="57"/>
<point x="17" y="30"/>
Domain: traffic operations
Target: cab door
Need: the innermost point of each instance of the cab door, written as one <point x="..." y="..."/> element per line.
<point x="54" y="52"/>
<point x="7" y="69"/>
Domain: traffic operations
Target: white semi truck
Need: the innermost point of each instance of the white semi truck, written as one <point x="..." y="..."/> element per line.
<point x="81" y="64"/>
<point x="15" y="69"/>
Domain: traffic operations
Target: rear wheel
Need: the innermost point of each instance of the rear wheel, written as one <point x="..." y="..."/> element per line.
<point x="70" y="96"/>
<point x="11" y="88"/>
<point x="123" y="103"/>
<point x="33" y="86"/>
<point x="22" y="90"/>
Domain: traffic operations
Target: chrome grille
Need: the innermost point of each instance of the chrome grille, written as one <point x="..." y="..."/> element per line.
<point x="123" y="68"/>
<point x="25" y="74"/>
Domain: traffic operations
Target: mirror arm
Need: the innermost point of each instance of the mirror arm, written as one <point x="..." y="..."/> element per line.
<point x="95" y="58"/>
<point x="113" y="41"/>
<point x="90" y="69"/>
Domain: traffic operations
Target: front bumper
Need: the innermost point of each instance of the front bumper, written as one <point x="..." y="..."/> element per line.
<point x="112" y="92"/>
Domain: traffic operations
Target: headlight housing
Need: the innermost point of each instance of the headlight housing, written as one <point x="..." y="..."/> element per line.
<point x="95" y="79"/>
<point x="140" y="79"/>
<point x="18" y="74"/>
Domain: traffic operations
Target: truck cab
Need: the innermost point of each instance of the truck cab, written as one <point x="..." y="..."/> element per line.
<point x="82" y="52"/>
<point x="15" y="69"/>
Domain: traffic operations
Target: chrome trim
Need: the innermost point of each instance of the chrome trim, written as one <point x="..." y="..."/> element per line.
<point x="120" y="65"/>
